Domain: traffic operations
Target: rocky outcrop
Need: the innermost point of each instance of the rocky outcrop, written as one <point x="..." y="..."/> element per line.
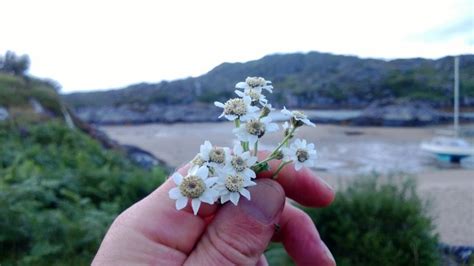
<point x="130" y="114"/>
<point x="393" y="113"/>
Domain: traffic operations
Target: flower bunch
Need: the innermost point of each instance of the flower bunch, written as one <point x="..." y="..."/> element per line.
<point x="219" y="174"/>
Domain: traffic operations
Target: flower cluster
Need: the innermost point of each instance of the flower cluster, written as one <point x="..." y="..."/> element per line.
<point x="219" y="174"/>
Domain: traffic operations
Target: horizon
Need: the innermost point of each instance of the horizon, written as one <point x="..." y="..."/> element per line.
<point x="90" y="46"/>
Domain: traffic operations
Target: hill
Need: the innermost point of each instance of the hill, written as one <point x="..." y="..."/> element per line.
<point x="312" y="80"/>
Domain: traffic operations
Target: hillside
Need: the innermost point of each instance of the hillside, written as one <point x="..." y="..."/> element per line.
<point x="61" y="182"/>
<point x="312" y="80"/>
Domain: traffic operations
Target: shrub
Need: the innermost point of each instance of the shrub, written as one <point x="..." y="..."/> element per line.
<point x="376" y="224"/>
<point x="59" y="191"/>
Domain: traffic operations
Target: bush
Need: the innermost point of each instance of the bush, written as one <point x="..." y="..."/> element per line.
<point x="377" y="224"/>
<point x="59" y="191"/>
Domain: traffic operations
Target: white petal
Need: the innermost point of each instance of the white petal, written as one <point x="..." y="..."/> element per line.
<point x="225" y="198"/>
<point x="210" y="181"/>
<point x="298" y="166"/>
<point x="310" y="146"/>
<point x="247" y="100"/>
<point x="219" y="104"/>
<point x="202" y="172"/>
<point x="251" y="161"/>
<point x="208" y="197"/>
<point x="249" y="173"/>
<point x="245" y="193"/>
<point x="241" y="85"/>
<point x="238" y="149"/>
<point x="234" y="197"/>
<point x="249" y="183"/>
<point x="230" y="117"/>
<point x="239" y="93"/>
<point x="174" y="193"/>
<point x="252" y="139"/>
<point x="196" y="203"/>
<point x="181" y="203"/>
<point x="177" y="178"/>
<point x="307" y="122"/>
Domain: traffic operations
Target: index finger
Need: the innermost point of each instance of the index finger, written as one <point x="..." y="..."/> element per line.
<point x="302" y="186"/>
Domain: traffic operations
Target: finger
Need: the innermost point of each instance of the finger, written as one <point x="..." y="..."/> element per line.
<point x="301" y="239"/>
<point x="262" y="261"/>
<point x="157" y="219"/>
<point x="239" y="234"/>
<point x="303" y="186"/>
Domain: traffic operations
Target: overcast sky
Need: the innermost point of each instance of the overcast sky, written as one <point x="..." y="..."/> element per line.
<point x="87" y="45"/>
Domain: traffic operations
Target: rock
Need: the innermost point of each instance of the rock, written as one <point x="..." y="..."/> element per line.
<point x="395" y="113"/>
<point x="3" y="113"/>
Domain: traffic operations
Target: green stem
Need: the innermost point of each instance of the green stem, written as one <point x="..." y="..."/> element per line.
<point x="282" y="164"/>
<point x="284" y="140"/>
<point x="243" y="144"/>
<point x="269" y="158"/>
<point x="255" y="148"/>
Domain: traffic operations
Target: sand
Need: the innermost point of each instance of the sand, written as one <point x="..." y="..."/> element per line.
<point x="344" y="153"/>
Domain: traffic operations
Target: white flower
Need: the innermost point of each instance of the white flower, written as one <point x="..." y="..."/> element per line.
<point x="238" y="108"/>
<point x="231" y="185"/>
<point x="255" y="82"/>
<point x="285" y="125"/>
<point x="254" y="129"/>
<point x="300" y="153"/>
<point x="240" y="162"/>
<point x="214" y="157"/>
<point x="255" y="95"/>
<point x="195" y="186"/>
<point x="297" y="116"/>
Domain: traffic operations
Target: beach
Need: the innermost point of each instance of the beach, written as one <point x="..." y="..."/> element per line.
<point x="344" y="153"/>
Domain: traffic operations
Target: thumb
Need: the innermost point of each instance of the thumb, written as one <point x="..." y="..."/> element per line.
<point x="240" y="234"/>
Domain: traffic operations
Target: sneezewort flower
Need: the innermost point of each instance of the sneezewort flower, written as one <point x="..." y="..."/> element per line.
<point x="255" y="82"/>
<point x="215" y="157"/>
<point x="298" y="118"/>
<point x="255" y="129"/>
<point x="255" y="95"/>
<point x="240" y="162"/>
<point x="196" y="186"/>
<point x="231" y="185"/>
<point x="301" y="153"/>
<point x="238" y="108"/>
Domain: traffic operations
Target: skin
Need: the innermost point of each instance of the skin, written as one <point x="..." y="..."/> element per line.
<point x="153" y="232"/>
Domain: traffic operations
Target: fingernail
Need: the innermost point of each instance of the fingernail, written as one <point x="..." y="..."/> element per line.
<point x="326" y="184"/>
<point x="328" y="254"/>
<point x="267" y="200"/>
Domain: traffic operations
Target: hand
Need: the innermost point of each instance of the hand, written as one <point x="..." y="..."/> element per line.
<point x="153" y="232"/>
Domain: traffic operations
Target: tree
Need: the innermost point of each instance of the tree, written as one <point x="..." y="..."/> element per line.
<point x="13" y="64"/>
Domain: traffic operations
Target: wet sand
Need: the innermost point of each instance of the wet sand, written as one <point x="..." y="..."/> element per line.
<point x="343" y="153"/>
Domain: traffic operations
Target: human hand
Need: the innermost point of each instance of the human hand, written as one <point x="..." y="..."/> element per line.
<point x="153" y="232"/>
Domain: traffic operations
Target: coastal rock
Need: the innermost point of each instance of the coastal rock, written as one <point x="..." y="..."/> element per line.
<point x="393" y="113"/>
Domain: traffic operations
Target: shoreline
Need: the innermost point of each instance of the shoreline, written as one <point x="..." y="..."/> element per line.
<point x="345" y="152"/>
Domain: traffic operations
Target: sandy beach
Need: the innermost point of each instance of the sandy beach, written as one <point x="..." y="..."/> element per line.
<point x="343" y="154"/>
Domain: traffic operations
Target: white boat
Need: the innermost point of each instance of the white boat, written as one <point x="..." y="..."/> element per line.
<point x="448" y="148"/>
<point x="452" y="148"/>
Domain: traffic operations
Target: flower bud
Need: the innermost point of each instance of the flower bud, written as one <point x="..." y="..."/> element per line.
<point x="265" y="111"/>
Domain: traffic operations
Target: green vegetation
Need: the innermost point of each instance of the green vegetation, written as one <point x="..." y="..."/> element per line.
<point x="376" y="224"/>
<point x="59" y="191"/>
<point x="17" y="92"/>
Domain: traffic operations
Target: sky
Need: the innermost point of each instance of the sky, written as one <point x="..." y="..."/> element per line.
<point x="90" y="45"/>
